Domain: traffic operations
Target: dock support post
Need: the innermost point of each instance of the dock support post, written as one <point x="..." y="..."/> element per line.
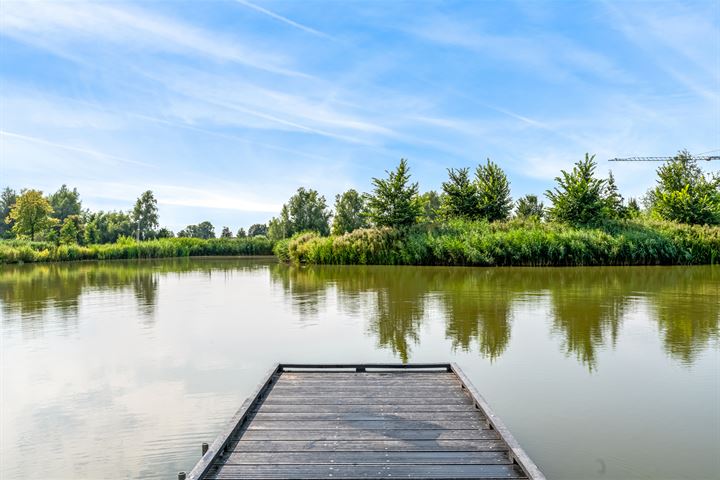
<point x="204" y="448"/>
<point x="181" y="476"/>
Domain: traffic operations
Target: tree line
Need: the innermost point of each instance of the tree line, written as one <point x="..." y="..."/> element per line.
<point x="59" y="218"/>
<point x="682" y="194"/>
<point x="580" y="198"/>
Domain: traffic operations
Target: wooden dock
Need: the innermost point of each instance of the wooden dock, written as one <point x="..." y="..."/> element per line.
<point x="364" y="421"/>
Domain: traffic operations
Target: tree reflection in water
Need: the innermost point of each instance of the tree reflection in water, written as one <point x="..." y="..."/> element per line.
<point x="586" y="306"/>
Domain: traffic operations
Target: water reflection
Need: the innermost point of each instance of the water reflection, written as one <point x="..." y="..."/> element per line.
<point x="128" y="366"/>
<point x="28" y="292"/>
<point x="587" y="306"/>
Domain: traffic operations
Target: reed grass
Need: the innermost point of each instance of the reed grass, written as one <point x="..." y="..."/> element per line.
<point x="18" y="251"/>
<point x="512" y="243"/>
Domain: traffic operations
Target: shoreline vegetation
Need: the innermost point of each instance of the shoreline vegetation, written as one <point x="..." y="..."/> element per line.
<point x="512" y="243"/>
<point x="19" y="251"/>
<point x="473" y="221"/>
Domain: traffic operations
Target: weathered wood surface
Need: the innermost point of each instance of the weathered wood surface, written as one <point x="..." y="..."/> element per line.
<point x="373" y="421"/>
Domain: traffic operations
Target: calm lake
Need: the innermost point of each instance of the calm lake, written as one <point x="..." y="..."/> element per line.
<point x="121" y="369"/>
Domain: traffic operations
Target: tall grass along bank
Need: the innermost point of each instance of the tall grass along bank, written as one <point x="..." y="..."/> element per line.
<point x="15" y="251"/>
<point x="511" y="243"/>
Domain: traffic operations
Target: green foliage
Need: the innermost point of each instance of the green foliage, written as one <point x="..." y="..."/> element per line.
<point x="226" y="233"/>
<point x="306" y="210"/>
<point x="241" y="233"/>
<point x="530" y="207"/>
<point x="460" y="199"/>
<point x="431" y="206"/>
<point x="145" y="215"/>
<point x="277" y="229"/>
<point x="8" y="197"/>
<point x="613" y="200"/>
<point x="580" y="199"/>
<point x="164" y="233"/>
<point x="256" y="229"/>
<point x="394" y="201"/>
<point x="350" y="212"/>
<point x="71" y="230"/>
<point x="106" y="227"/>
<point x="685" y="194"/>
<point x="14" y="251"/>
<point x="493" y="191"/>
<point x="633" y="208"/>
<point x="204" y="230"/>
<point x="65" y="203"/>
<point x="30" y="214"/>
<point x="512" y="243"/>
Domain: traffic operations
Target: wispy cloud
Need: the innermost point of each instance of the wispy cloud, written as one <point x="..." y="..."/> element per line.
<point x="236" y="104"/>
<point x="69" y="27"/>
<point x="114" y="159"/>
<point x="283" y="19"/>
<point x="546" y="54"/>
<point x="682" y="42"/>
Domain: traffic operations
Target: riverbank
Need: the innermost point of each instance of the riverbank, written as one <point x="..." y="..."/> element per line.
<point x="17" y="251"/>
<point x="513" y="243"/>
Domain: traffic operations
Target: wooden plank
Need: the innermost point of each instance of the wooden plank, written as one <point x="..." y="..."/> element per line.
<point x="310" y="472"/>
<point x="446" y="395"/>
<point x="360" y="458"/>
<point x="355" y="434"/>
<point x="368" y="374"/>
<point x="347" y="416"/>
<point x="446" y="378"/>
<point x="372" y="446"/>
<point x="312" y="400"/>
<point x="326" y="367"/>
<point x="365" y="425"/>
<point x="395" y="389"/>
<point x="367" y="408"/>
<point x="367" y="421"/>
<point x="518" y="454"/>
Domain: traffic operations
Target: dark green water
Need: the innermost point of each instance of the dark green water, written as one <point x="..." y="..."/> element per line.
<point x="122" y="369"/>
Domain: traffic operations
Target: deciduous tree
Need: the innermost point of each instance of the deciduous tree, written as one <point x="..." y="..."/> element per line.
<point x="579" y="197"/>
<point x="8" y="197"/>
<point x="431" y="204"/>
<point x="257" y="229"/>
<point x="145" y="215"/>
<point x="31" y="214"/>
<point x="529" y="207"/>
<point x="306" y="210"/>
<point x="164" y="233"/>
<point x="71" y="230"/>
<point x="65" y="202"/>
<point x="350" y="212"/>
<point x="684" y="193"/>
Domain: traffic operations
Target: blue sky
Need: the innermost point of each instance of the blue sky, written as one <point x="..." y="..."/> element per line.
<point x="224" y="109"/>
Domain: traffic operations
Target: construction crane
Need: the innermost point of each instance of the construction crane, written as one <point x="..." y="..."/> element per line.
<point x="702" y="156"/>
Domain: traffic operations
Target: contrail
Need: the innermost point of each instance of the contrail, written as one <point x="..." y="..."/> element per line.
<point x="283" y="19"/>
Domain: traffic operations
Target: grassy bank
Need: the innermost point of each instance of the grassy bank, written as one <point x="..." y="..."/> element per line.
<point x="511" y="243"/>
<point x="15" y="251"/>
